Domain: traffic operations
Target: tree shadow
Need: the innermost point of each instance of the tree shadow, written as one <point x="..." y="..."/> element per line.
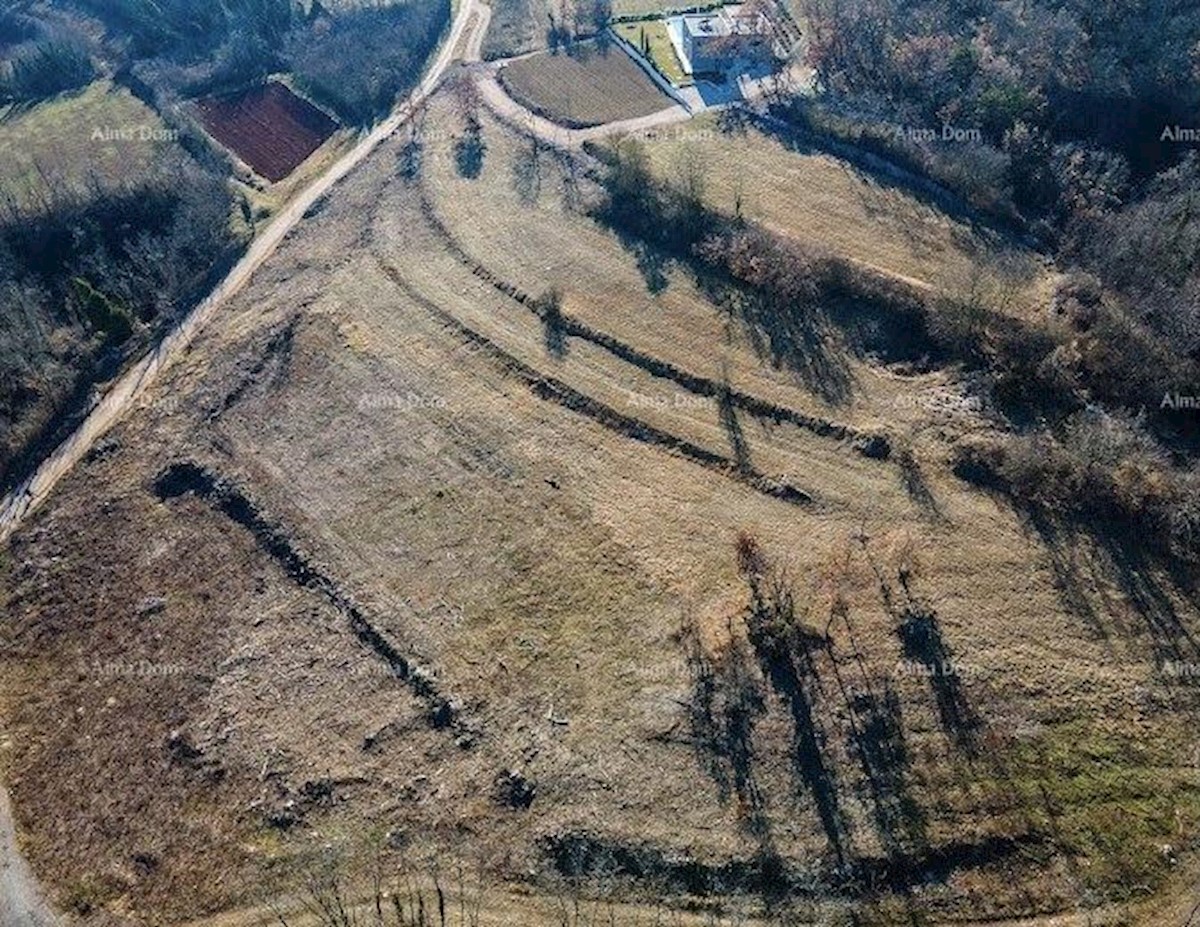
<point x="917" y="487"/>
<point x="1085" y="560"/>
<point x="738" y="445"/>
<point x="878" y="742"/>
<point x="548" y="306"/>
<point x="652" y="262"/>
<point x="785" y="659"/>
<point x="470" y="150"/>
<point x="1074" y="589"/>
<point x="922" y="641"/>
<point x="726" y="704"/>
<point x="789" y="336"/>
<point x="527" y="174"/>
<point x="1139" y="577"/>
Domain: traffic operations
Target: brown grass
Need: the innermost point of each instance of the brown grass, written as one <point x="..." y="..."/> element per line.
<point x="543" y="564"/>
<point x="819" y="199"/>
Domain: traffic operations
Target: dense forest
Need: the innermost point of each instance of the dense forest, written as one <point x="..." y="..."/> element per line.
<point x="1082" y="110"/>
<point x="355" y="62"/>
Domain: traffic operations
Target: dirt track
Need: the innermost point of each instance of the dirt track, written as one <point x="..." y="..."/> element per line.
<point x="21" y="904"/>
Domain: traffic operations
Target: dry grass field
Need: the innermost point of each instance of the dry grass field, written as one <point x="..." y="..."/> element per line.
<point x="585" y="85"/>
<point x="396" y="557"/>
<point x="818" y="198"/>
<point x="103" y="133"/>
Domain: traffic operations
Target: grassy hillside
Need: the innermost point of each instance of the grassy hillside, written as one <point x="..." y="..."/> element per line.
<point x="814" y="197"/>
<point x="479" y="531"/>
<point x="78" y="137"/>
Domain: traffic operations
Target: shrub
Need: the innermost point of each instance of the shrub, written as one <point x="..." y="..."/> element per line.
<point x="44" y="70"/>
<point x="1100" y="469"/>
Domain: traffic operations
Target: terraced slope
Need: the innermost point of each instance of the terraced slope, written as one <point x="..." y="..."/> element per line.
<point x="475" y="531"/>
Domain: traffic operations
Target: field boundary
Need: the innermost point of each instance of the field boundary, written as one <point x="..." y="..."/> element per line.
<point x="554" y="390"/>
<point x="694" y="383"/>
<point x="189" y="478"/>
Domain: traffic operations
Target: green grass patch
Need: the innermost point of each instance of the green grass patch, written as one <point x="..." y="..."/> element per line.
<point x="101" y="133"/>
<point x="660" y="50"/>
<point x="1112" y="802"/>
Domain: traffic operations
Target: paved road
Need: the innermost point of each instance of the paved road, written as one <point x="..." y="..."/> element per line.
<point x="17" y="505"/>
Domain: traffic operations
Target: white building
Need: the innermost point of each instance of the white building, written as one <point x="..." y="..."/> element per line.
<point x="709" y="43"/>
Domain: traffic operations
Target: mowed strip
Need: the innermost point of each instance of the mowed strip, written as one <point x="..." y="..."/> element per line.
<point x="587" y="85"/>
<point x="268" y="127"/>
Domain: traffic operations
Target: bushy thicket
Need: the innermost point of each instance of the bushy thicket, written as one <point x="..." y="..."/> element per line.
<point x="356" y="62"/>
<point x="359" y="62"/>
<point x="89" y="274"/>
<point x="38" y="60"/>
<point x="1106" y="75"/>
<point x="1150" y="250"/>
<point x="44" y="69"/>
<point x="187" y="29"/>
<point x="1099" y="469"/>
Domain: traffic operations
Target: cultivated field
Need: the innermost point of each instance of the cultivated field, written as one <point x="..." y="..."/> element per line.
<point x="585" y="85"/>
<point x="101" y="134"/>
<point x="269" y="128"/>
<point x="397" y="556"/>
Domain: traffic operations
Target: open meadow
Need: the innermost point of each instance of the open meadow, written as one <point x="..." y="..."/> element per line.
<point x="101" y="134"/>
<point x="455" y="539"/>
<point x="810" y="195"/>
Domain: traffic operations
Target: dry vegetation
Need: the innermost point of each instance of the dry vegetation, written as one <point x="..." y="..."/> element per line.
<point x="64" y="139"/>
<point x="584" y="85"/>
<point x="819" y="199"/>
<point x="474" y="530"/>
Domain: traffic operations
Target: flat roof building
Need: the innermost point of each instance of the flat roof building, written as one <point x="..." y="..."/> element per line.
<point x="708" y="43"/>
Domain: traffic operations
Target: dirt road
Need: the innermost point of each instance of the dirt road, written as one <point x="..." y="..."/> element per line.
<point x="509" y="110"/>
<point x="21" y="902"/>
<point x="120" y="397"/>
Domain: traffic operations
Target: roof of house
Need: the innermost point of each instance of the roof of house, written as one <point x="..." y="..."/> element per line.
<point x="708" y="23"/>
<point x="725" y="21"/>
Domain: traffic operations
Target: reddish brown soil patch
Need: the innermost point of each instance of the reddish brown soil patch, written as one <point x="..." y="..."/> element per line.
<point x="268" y="127"/>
